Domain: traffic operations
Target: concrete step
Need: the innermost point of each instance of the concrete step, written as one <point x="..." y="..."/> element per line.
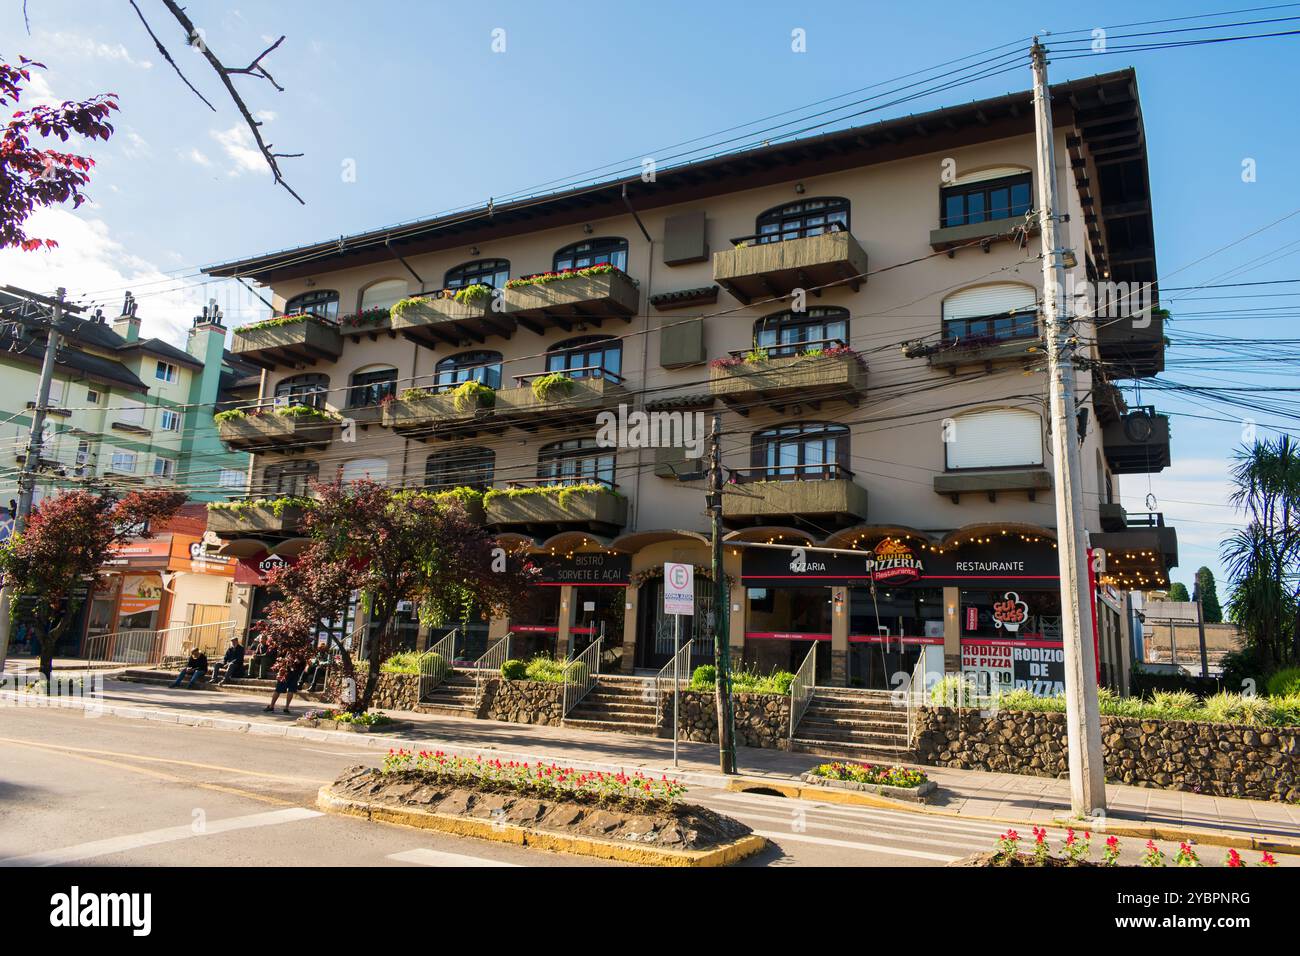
<point x="631" y="703"/>
<point x="447" y="710"/>
<point x="617" y="727"/>
<point x="853" y="737"/>
<point x="853" y="706"/>
<point x="831" y="725"/>
<point x="867" y="752"/>
<point x="612" y="714"/>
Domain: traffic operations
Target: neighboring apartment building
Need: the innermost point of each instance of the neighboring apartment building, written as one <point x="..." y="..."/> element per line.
<point x="125" y="411"/>
<point x="896" y="405"/>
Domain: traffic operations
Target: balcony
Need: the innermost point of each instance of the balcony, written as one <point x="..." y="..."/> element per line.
<point x="263" y="430"/>
<point x="986" y="233"/>
<point x="987" y="351"/>
<point x="256" y="518"/>
<point x="820" y="495"/>
<point x="551" y="399"/>
<point x="989" y="482"/>
<point x="572" y="300"/>
<point x="298" y="342"/>
<point x="763" y="269"/>
<point x="829" y="373"/>
<point x="418" y="413"/>
<point x="540" y="508"/>
<point x="1138" y="443"/>
<point x="1133" y="346"/>
<point x="1141" y="554"/>
<point x="438" y="319"/>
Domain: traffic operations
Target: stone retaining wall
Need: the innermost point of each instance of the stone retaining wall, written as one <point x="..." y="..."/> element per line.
<point x="392" y="692"/>
<point x="762" y="720"/>
<point x="522" y="701"/>
<point x="1225" y="760"/>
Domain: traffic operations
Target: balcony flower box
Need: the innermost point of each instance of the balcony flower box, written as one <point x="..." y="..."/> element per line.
<point x="295" y="427"/>
<point x="599" y="291"/>
<point x="556" y="505"/>
<point x="274" y="516"/>
<point x="288" y="340"/>
<point x="417" y="408"/>
<point x="834" y="373"/>
<point x="754" y="269"/>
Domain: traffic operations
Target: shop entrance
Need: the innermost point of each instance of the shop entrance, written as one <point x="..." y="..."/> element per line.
<point x="598" y="611"/>
<point x="654" y="629"/>
<point x="781" y="625"/>
<point x="888" y="632"/>
<point x="536" y="625"/>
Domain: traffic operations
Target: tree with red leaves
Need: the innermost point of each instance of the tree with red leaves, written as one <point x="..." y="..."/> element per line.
<point x="32" y="177"/>
<point x="412" y="546"/>
<point x="66" y="541"/>
<point x="314" y="589"/>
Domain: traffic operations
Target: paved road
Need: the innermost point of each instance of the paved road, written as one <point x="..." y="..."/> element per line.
<point x="110" y="791"/>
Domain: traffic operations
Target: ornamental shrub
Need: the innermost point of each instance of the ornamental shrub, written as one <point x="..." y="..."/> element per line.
<point x="705" y="677"/>
<point x="513" y="670"/>
<point x="1284" y="683"/>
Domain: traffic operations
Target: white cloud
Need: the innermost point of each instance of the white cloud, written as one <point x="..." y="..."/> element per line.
<point x="239" y="146"/>
<point x="195" y="156"/>
<point x="75" y="44"/>
<point x="134" y="145"/>
<point x="39" y="92"/>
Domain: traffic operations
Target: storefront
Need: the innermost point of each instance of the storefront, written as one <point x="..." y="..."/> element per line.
<point x="575" y="599"/>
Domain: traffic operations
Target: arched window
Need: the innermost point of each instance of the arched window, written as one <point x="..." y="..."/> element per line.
<point x="310" y="390"/>
<point x="460" y="468"/>
<point x="1001" y="192"/>
<point x="790" y="333"/>
<point x="576" y="461"/>
<point x="320" y="302"/>
<point x="370" y="386"/>
<point x="292" y="479"/>
<point x="593" y="356"/>
<point x="478" y="366"/>
<point x="800" y="451"/>
<point x="376" y="469"/>
<point x="383" y="294"/>
<point x="992" y="313"/>
<point x="488" y="272"/>
<point x="994" y="438"/>
<point x="592" y="252"/>
<point x="808" y="217"/>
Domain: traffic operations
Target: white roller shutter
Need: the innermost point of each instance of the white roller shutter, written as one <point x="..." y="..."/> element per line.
<point x="997" y="438"/>
<point x="994" y="172"/>
<point x="376" y="469"/>
<point x="995" y="299"/>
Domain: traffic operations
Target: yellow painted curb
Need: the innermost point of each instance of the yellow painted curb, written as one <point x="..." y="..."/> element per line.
<point x="723" y="855"/>
<point x="1113" y="828"/>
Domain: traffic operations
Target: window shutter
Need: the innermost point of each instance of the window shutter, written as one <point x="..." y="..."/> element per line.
<point x="984" y="175"/>
<point x="997" y="438"/>
<point x="995" y="299"/>
<point x="376" y="469"/>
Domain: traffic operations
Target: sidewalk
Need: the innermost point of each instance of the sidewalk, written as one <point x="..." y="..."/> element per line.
<point x="1015" y="800"/>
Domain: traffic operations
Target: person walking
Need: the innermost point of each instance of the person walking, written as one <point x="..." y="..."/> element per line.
<point x="290" y="672"/>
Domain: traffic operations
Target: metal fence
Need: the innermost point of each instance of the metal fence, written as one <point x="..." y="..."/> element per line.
<point x="150" y="645"/>
<point x="802" y="687"/>
<point x="496" y="655"/>
<point x="580" y="675"/>
<point x="672" y="674"/>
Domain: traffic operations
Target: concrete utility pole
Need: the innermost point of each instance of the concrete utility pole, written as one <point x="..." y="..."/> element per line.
<point x="721" y="602"/>
<point x="1083" y="719"/>
<point x="32" y="462"/>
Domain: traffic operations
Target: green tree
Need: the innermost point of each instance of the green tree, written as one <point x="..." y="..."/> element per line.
<point x="1207" y="592"/>
<point x="1178" y="592"/>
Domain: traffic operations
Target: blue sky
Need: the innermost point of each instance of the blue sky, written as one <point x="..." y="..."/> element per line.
<point x="433" y="119"/>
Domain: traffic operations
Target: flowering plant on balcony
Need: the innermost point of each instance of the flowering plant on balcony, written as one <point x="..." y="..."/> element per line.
<point x="542" y="278"/>
<point x="366" y="317"/>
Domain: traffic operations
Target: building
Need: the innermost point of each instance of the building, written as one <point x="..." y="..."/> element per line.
<point x="1172" y="632"/>
<point x="862" y="309"/>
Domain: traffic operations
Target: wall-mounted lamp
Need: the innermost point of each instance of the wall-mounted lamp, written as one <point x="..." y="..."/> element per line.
<point x="473" y="250"/>
<point x="587" y="229"/>
<point x="799" y="188"/>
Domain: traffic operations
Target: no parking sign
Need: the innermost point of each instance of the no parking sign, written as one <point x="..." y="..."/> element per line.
<point x="679" y="588"/>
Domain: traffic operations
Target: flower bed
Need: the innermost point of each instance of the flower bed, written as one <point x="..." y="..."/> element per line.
<point x="370" y="722"/>
<point x="903" y="783"/>
<point x="1076" y="850"/>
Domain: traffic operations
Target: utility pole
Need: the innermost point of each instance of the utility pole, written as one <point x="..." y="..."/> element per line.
<point x="1083" y="719"/>
<point x="1200" y="630"/>
<point x="721" y="602"/>
<point x="32" y="461"/>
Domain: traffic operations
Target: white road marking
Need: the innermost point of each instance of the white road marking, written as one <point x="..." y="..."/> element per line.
<point x="925" y="821"/>
<point x="424" y="857"/>
<point x="810" y="823"/>
<point x="779" y="838"/>
<point x="134" y="841"/>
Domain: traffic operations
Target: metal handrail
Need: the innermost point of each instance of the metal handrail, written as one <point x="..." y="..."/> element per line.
<point x="492" y="659"/>
<point x="580" y="675"/>
<point x="915" y="698"/>
<point x="436" y="663"/>
<point x="561" y="482"/>
<point x="132" y="646"/>
<point x="768" y="238"/>
<point x="828" y="469"/>
<point x="793" y="348"/>
<point x="802" y="687"/>
<point x="605" y="373"/>
<point x="667" y="673"/>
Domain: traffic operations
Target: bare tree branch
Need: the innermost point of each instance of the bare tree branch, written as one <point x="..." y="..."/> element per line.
<point x="168" y="57"/>
<point x="254" y="69"/>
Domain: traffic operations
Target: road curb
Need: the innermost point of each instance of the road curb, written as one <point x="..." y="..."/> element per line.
<point x="723" y="855"/>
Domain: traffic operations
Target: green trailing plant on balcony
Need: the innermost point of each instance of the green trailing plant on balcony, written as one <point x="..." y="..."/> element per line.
<point x="278" y="320"/>
<point x="414" y="394"/>
<point x="472" y="294"/>
<point x="466" y="497"/>
<point x="277" y="506"/>
<point x="551" y="386"/>
<point x="230" y="415"/>
<point x="562" y="493"/>
<point x="302" y="411"/>
<point x="409" y="304"/>
<point x="473" y="394"/>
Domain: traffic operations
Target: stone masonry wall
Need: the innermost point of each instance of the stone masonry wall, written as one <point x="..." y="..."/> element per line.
<point x="392" y="692"/>
<point x="522" y="702"/>
<point x="762" y="720"/>
<point x="1225" y="760"/>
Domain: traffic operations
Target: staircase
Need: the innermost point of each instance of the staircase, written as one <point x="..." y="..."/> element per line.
<point x="854" y="724"/>
<point x="457" y="696"/>
<point x="623" y="705"/>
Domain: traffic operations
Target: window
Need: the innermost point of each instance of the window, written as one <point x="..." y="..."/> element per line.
<point x="376" y="469"/>
<point x="83" y="459"/>
<point x="371" y="386"/>
<point x="131" y="412"/>
<point x="592" y="356"/>
<point x="164" y="468"/>
<point x="231" y="478"/>
<point x="92" y="396"/>
<point x="383" y="294"/>
<point x="984" y="200"/>
<point x="593" y="252"/>
<point x="797" y="220"/>
<point x="291" y="479"/>
<point x="322" y="302"/>
<point x="307" y="390"/>
<point x="123" y="462"/>
<point x="790" y="333"/>
<point x="801" y="450"/>
<point x="166" y="372"/>
<point x="992" y="313"/>
<point x="994" y="438"/>
<point x="56" y="393"/>
<point x="478" y="366"/>
<point x="488" y="272"/>
<point x="170" y="421"/>
<point x="460" y="468"/>
<point x="576" y="461"/>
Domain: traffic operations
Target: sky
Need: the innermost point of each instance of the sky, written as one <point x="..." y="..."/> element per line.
<point x="404" y="110"/>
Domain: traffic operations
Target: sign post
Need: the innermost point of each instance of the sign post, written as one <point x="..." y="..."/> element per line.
<point x="679" y="599"/>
